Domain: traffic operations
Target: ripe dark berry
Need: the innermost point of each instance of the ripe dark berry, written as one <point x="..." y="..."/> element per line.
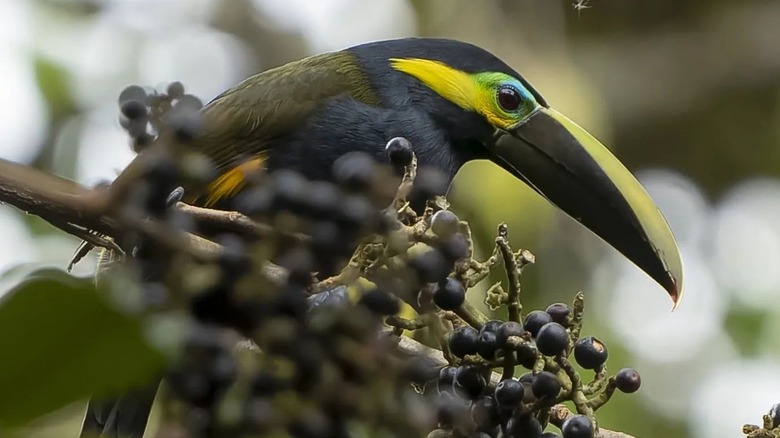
<point x="559" y="312"/>
<point x="325" y="239"/>
<point x="380" y="302"/>
<point x="509" y="393"/>
<point x="463" y="341"/>
<point x="577" y="426"/>
<point x="446" y="379"/>
<point x="487" y="345"/>
<point x="186" y="124"/>
<point x="590" y="353"/>
<point x="290" y="190"/>
<point x="323" y="200"/>
<point x="430" y="182"/>
<point x="485" y="414"/>
<point x="132" y="92"/>
<point x="354" y="211"/>
<point x="534" y="321"/>
<point x="774" y="414"/>
<point x="454" y="247"/>
<point x="400" y="152"/>
<point x="507" y="329"/>
<point x="188" y="101"/>
<point x="449" y="411"/>
<point x="552" y="339"/>
<point x="628" y="380"/>
<point x="550" y="435"/>
<point x="299" y="264"/>
<point x="354" y="171"/>
<point x="545" y="385"/>
<point x="491" y="326"/>
<point x="175" y="89"/>
<point x="444" y="223"/>
<point x="133" y="110"/>
<point x="469" y="382"/>
<point x="233" y="260"/>
<point x="525" y="426"/>
<point x="449" y="294"/>
<point x="431" y="266"/>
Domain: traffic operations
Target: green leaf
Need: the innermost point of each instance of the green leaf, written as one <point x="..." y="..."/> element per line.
<point x="53" y="81"/>
<point x="62" y="341"/>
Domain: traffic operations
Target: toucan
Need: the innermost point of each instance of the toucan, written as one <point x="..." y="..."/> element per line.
<point x="455" y="102"/>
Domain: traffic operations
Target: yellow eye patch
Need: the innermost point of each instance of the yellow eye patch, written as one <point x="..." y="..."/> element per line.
<point x="472" y="92"/>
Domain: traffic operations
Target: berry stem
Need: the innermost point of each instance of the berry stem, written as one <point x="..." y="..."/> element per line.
<point x="601" y="399"/>
<point x="513" y="305"/>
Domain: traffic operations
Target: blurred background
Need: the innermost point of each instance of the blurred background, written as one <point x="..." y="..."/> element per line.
<point x="685" y="92"/>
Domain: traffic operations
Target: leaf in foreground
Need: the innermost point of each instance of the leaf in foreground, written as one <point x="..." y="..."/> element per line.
<point x="63" y="341"/>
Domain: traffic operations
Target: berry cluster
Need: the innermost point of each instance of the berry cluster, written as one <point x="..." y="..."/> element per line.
<point x="143" y="113"/>
<point x="520" y="407"/>
<point x="324" y="278"/>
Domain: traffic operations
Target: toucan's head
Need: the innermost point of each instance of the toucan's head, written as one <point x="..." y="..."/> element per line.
<point x="488" y="107"/>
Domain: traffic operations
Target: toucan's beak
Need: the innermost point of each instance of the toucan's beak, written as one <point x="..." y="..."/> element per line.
<point x="575" y="172"/>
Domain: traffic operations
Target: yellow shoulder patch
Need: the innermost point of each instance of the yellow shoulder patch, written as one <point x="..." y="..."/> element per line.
<point x="230" y="182"/>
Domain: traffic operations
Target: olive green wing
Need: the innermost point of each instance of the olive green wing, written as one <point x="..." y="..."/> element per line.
<point x="241" y="122"/>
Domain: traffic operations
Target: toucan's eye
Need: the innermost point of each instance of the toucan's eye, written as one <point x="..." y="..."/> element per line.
<point x="509" y="98"/>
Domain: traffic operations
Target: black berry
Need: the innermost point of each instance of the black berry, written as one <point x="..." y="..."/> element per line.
<point x="133" y="110"/>
<point x="444" y="223"/>
<point x="290" y="190"/>
<point x="400" y="152"/>
<point x="354" y="211"/>
<point x="469" y="381"/>
<point x="380" y="302"/>
<point x="559" y="312"/>
<point x="431" y="266"/>
<point x="577" y="426"/>
<point x="463" y="341"/>
<point x="545" y="385"/>
<point x="430" y="182"/>
<point x="186" y="124"/>
<point x="590" y="353"/>
<point x="487" y="345"/>
<point x="446" y="379"/>
<point x="175" y="89"/>
<point x="509" y="393"/>
<point x="507" y="329"/>
<point x="454" y="247"/>
<point x="449" y="294"/>
<point x="354" y="171"/>
<point x="525" y="426"/>
<point x="534" y="321"/>
<point x="628" y="380"/>
<point x="550" y="435"/>
<point x="188" y="101"/>
<point x="491" y="326"/>
<point x="323" y="200"/>
<point x="132" y="92"/>
<point x="484" y="412"/>
<point x="552" y="339"/>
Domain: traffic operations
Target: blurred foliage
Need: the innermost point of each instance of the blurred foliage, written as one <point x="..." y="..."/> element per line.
<point x="64" y="341"/>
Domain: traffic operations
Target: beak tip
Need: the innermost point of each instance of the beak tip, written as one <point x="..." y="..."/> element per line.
<point x="675" y="293"/>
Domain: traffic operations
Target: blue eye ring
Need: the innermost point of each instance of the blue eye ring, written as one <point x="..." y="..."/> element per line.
<point x="509" y="98"/>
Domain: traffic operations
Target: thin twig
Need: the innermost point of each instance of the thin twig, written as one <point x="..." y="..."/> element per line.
<point x="513" y="305"/>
